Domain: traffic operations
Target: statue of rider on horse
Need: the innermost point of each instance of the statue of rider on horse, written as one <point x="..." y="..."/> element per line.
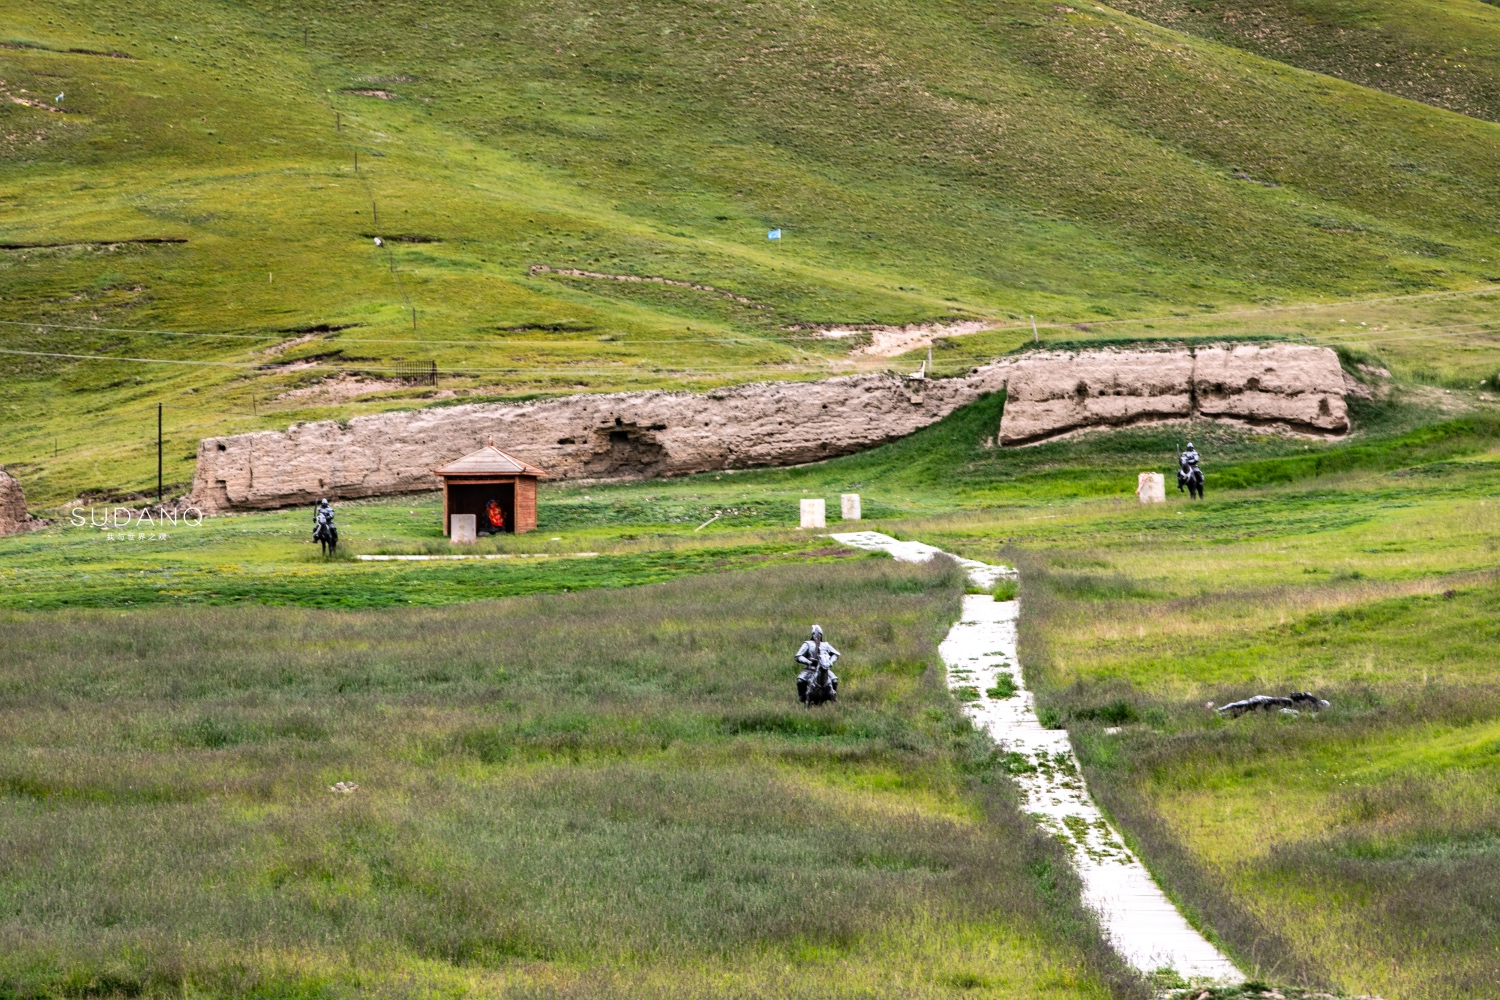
<point x="1189" y="474"/>
<point x="325" y="532"/>
<point x="817" y="683"/>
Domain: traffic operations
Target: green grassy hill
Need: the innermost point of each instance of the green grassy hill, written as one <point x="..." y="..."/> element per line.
<point x="1442" y="53"/>
<point x="923" y="161"/>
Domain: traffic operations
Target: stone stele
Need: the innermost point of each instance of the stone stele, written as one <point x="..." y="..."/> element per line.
<point x="1151" y="487"/>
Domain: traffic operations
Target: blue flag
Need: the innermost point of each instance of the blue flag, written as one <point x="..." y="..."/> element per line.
<point x="774" y="234"/>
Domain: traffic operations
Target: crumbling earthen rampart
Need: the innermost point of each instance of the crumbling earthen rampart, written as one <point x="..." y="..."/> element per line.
<point x="1289" y="386"/>
<point x="642" y="434"/>
<point x="14" y="518"/>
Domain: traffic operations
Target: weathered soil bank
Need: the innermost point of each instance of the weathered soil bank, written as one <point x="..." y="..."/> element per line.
<point x="1281" y="385"/>
<point x="644" y="434"/>
<point x="13" y="516"/>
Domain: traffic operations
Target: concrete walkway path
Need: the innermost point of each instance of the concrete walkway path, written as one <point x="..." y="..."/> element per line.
<point x="1140" y="922"/>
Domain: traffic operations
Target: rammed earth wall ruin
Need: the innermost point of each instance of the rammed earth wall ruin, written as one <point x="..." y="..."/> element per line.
<point x="643" y="434"/>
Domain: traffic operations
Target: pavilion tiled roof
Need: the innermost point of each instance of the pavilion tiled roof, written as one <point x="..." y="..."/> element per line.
<point x="489" y="461"/>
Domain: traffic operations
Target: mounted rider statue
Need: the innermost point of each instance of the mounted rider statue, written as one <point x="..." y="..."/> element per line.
<point x="817" y="683"/>
<point x="325" y="532"/>
<point x="1188" y="472"/>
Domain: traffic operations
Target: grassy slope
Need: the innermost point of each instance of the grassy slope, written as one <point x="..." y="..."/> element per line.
<point x="1357" y="848"/>
<point x="925" y="161"/>
<point x="1440" y="53"/>
<point x="168" y="824"/>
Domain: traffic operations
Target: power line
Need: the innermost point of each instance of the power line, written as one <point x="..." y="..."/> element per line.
<point x="461" y="371"/>
<point x="999" y="326"/>
<point x="45" y="327"/>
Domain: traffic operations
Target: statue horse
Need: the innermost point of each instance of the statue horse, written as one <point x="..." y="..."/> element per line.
<point x="1193" y="480"/>
<point x="326" y="535"/>
<point x="818" y="689"/>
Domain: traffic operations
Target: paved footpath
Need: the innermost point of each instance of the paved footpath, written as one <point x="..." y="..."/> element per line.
<point x="1139" y="920"/>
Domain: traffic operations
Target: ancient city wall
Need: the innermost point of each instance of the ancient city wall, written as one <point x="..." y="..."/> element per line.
<point x="14" y="517"/>
<point x="642" y="434"/>
<point x="1289" y="386"/>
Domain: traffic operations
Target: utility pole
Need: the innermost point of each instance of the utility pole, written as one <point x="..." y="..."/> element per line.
<point x="158" y="454"/>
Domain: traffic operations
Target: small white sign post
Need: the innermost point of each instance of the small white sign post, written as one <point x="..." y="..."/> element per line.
<point x="463" y="529"/>
<point x="813" y="515"/>
<point x="849" y="506"/>
<point x="1151" y="487"/>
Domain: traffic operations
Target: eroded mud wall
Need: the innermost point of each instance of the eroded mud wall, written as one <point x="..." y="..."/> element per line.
<point x="641" y="434"/>
<point x="598" y="436"/>
<point x="1287" y="386"/>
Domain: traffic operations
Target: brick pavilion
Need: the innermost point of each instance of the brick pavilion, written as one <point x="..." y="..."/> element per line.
<point x="498" y="489"/>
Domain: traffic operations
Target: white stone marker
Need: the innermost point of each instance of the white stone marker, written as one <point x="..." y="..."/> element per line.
<point x="849" y="506"/>
<point x="813" y="515"/>
<point x="1151" y="487"/>
<point x="463" y="527"/>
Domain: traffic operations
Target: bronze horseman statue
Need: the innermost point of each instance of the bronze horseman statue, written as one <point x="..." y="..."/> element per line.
<point x="817" y="683"/>
<point x="1188" y="473"/>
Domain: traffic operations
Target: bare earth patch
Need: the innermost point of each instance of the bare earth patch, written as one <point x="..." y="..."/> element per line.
<point x="889" y="341"/>
<point x="287" y="345"/>
<point x="384" y="95"/>
<point x="344" y="388"/>
<point x="573" y="272"/>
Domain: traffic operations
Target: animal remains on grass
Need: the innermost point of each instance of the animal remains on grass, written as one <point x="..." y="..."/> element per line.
<point x="1267" y="702"/>
<point x="817" y="683"/>
<point x="325" y="532"/>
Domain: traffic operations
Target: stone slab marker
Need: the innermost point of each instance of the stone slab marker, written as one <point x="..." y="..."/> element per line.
<point x="464" y="528"/>
<point x="849" y="506"/>
<point x="813" y="514"/>
<point x="1151" y="487"/>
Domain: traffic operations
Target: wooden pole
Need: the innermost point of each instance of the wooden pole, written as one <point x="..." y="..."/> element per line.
<point x="158" y="453"/>
<point x="1034" y="337"/>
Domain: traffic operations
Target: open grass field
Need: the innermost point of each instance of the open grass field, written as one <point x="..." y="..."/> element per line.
<point x="1356" y="848"/>
<point x="1353" y="850"/>
<point x="923" y="163"/>
<point x="578" y="771"/>
<point x="598" y="794"/>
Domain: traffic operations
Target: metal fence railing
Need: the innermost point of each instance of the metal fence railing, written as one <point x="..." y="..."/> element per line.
<point x="417" y="372"/>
